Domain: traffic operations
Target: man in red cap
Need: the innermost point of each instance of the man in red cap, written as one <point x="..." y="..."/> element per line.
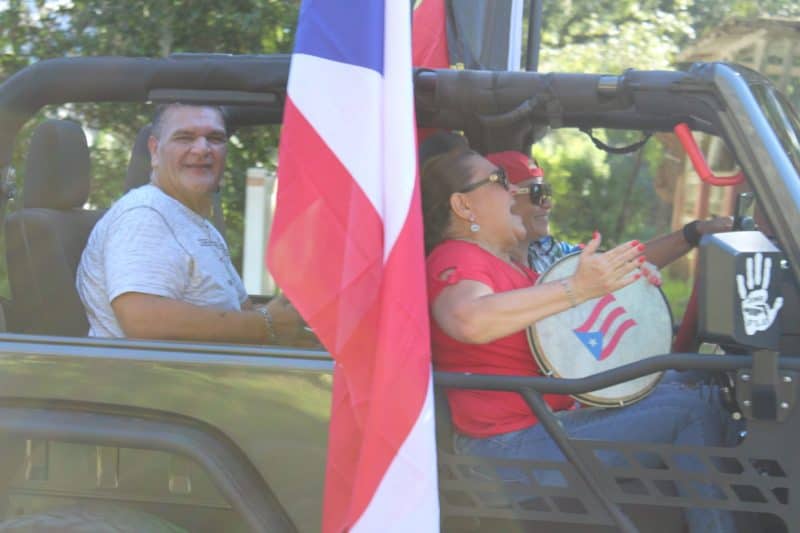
<point x="534" y="203"/>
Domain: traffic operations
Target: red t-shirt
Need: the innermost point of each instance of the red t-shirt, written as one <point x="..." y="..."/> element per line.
<point x="482" y="413"/>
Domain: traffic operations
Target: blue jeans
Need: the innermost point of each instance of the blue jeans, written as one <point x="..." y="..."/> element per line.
<point x="675" y="412"/>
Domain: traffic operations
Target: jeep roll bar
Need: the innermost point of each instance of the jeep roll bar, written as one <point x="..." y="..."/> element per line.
<point x="637" y="100"/>
<point x="496" y="110"/>
<point x="445" y="98"/>
<point x="231" y="79"/>
<point x="699" y="162"/>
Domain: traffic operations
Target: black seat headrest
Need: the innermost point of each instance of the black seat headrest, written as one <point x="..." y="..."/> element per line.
<point x="139" y="165"/>
<point x="58" y="166"/>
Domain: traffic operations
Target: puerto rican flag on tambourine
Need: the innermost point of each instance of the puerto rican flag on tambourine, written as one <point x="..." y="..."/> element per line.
<point x="607" y="324"/>
<point x="628" y="325"/>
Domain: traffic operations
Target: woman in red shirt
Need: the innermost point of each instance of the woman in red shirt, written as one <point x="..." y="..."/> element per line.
<point x="481" y="303"/>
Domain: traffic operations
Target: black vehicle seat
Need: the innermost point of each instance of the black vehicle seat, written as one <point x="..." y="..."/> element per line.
<point x="139" y="165"/>
<point x="45" y="239"/>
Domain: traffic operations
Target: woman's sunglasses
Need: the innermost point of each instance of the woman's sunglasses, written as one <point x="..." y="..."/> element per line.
<point x="498" y="176"/>
<point x="539" y="192"/>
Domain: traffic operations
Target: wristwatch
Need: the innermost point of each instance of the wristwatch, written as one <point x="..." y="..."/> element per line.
<point x="691" y="233"/>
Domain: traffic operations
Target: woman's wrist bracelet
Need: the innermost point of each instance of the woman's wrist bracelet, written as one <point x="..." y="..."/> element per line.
<point x="567" y="284"/>
<point x="691" y="233"/>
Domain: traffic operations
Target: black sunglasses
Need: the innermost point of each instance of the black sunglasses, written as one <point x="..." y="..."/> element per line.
<point x="539" y="192"/>
<point x="498" y="176"/>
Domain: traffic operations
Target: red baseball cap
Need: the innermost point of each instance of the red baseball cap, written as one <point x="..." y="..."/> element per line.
<point x="517" y="165"/>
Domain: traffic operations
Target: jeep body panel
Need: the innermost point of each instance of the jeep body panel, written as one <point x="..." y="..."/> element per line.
<point x="272" y="404"/>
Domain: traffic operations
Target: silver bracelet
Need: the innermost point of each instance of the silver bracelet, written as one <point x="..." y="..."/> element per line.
<point x="568" y="289"/>
<point x="273" y="337"/>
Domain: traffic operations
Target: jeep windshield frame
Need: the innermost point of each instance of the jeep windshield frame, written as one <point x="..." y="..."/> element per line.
<point x="763" y="129"/>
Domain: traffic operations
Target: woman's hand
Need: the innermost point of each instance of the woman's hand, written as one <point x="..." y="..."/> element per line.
<point x="602" y="273"/>
<point x="651" y="273"/>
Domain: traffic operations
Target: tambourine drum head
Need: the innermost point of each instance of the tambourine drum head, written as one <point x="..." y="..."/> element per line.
<point x="627" y="326"/>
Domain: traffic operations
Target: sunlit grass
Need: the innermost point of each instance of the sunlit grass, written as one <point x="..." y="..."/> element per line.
<point x="677" y="292"/>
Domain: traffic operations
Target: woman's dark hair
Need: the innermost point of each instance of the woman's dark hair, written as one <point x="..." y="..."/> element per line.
<point x="441" y="176"/>
<point x="440" y="143"/>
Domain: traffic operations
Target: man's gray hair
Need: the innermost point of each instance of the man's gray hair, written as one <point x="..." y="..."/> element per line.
<point x="161" y="110"/>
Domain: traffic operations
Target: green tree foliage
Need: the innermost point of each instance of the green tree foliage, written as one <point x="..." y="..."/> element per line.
<point x="608" y="36"/>
<point x="596" y="190"/>
<point x="15" y="37"/>
<point x="36" y="30"/>
<point x="612" y="35"/>
<point x="614" y="193"/>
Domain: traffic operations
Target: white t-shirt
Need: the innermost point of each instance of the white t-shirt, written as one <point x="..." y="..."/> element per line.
<point x="149" y="242"/>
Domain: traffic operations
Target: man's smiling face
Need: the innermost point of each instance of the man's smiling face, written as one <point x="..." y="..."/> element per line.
<point x="535" y="217"/>
<point x="188" y="153"/>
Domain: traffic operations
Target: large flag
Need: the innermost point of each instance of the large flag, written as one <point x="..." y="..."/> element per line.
<point x="429" y="35"/>
<point x="347" y="249"/>
<point x="429" y="42"/>
<point x="473" y="34"/>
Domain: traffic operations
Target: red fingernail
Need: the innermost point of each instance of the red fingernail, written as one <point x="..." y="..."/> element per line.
<point x="595" y="234"/>
<point x="637" y="276"/>
<point x="634" y="243"/>
<point x="657" y="282"/>
<point x="641" y="259"/>
<point x="581" y="246"/>
<point x="641" y="247"/>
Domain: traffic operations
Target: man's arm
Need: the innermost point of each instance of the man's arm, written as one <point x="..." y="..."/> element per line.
<point x="663" y="250"/>
<point x="288" y="326"/>
<point x="147" y="316"/>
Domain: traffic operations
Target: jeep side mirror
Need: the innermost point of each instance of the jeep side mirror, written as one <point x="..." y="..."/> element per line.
<point x="740" y="289"/>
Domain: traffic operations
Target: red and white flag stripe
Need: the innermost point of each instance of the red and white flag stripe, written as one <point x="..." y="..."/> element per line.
<point x="347" y="249"/>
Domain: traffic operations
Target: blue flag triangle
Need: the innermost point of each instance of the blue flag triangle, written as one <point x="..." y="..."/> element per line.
<point x="593" y="340"/>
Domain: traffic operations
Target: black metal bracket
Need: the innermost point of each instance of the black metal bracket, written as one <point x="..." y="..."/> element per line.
<point x="764" y="393"/>
<point x="539" y="407"/>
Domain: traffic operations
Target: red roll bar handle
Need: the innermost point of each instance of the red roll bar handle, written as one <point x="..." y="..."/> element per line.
<point x="699" y="163"/>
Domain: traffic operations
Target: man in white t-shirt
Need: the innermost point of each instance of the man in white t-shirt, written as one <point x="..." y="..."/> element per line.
<point x="154" y="266"/>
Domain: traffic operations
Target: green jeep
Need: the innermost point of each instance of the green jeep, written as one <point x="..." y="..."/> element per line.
<point x="113" y="435"/>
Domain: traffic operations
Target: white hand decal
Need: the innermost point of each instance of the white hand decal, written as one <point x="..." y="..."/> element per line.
<point x="756" y="312"/>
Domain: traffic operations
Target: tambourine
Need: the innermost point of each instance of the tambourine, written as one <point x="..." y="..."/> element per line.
<point x="629" y="325"/>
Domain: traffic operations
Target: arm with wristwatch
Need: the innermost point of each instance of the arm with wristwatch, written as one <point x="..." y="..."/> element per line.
<point x="665" y="249"/>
